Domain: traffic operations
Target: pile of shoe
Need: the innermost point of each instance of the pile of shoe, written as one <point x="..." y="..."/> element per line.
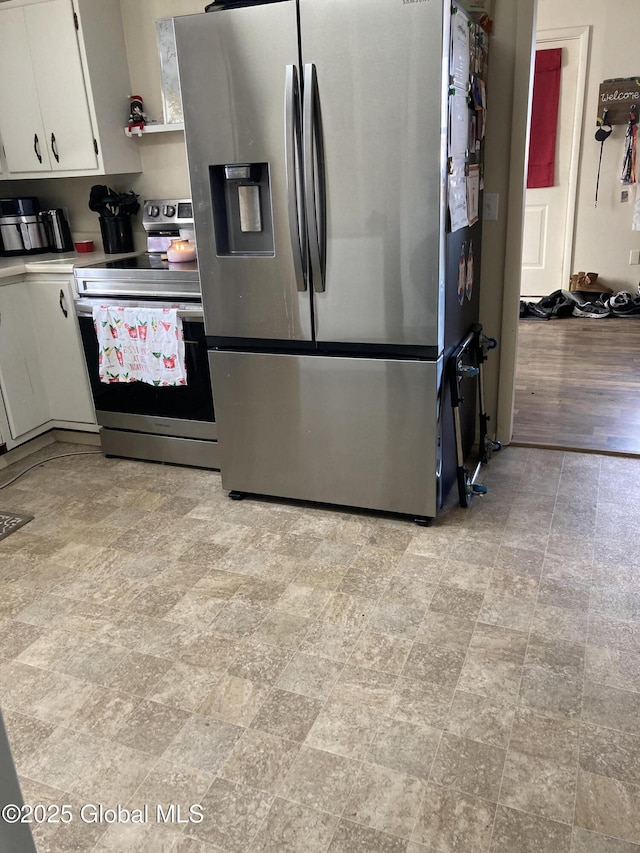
<point x="560" y="303"/>
<point x="564" y="303"/>
<point x="593" y="297"/>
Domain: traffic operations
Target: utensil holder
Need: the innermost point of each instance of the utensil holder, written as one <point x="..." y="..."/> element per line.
<point x="117" y="235"/>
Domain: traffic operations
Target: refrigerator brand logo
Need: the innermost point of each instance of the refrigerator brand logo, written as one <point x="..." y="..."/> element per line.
<point x="405" y="2"/>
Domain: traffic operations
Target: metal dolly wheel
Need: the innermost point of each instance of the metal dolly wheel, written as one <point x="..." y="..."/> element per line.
<point x="474" y="347"/>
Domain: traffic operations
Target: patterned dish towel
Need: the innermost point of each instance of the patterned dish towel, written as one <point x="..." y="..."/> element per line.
<point x="140" y="345"/>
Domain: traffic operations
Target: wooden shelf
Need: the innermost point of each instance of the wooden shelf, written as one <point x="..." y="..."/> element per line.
<point x="153" y="128"/>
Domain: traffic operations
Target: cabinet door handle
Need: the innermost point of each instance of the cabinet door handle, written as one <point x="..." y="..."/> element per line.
<point x="36" y="147"/>
<point x="62" y="304"/>
<point x="54" y="148"/>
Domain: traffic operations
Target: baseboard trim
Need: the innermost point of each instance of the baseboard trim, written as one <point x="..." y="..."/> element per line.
<point x="67" y="436"/>
<point x="77" y="437"/>
<point x="26" y="449"/>
<point x="569" y="449"/>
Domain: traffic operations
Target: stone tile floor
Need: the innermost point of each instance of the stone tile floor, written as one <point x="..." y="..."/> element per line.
<point x="322" y="680"/>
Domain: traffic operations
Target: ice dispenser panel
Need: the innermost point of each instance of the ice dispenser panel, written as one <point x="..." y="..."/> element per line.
<point x="241" y="195"/>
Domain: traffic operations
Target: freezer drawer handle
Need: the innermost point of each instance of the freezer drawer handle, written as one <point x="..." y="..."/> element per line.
<point x="293" y="157"/>
<point x="314" y="176"/>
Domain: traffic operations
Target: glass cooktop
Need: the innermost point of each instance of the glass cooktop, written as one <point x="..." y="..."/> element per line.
<point x="145" y="262"/>
<point x="146" y="266"/>
<point x="138" y="274"/>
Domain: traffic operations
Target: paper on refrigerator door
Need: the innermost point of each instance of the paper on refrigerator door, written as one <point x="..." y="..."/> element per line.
<point x="458" y="195"/>
<point x="473" y="193"/>
<point x="460" y="55"/>
<point x="458" y="126"/>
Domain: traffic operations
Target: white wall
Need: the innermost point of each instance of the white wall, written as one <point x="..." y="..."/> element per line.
<point x="603" y="235"/>
<point x="508" y="90"/>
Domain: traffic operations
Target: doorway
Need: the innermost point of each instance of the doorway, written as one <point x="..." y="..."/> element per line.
<point x="547" y="252"/>
<point x="576" y="383"/>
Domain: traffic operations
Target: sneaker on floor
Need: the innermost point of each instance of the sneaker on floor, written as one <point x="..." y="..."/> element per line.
<point x="619" y="300"/>
<point x="557" y="304"/>
<point x="566" y="302"/>
<point x="534" y="311"/>
<point x="593" y="310"/>
<point x="628" y="308"/>
<point x="576" y="297"/>
<point x="602" y="301"/>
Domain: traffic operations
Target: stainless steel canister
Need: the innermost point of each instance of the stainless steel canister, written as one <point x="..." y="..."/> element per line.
<point x="57" y="230"/>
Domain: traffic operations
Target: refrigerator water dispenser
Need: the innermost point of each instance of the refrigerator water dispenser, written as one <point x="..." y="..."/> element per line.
<point x="241" y="196"/>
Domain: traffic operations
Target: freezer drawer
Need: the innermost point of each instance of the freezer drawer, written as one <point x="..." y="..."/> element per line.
<point x="358" y="432"/>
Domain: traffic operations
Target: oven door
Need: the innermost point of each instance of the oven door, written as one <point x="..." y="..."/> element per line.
<point x="180" y="412"/>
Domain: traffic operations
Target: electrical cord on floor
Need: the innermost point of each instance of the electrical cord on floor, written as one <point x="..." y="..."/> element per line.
<point x="48" y="459"/>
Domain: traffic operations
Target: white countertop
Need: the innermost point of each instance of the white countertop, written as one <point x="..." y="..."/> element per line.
<point x="54" y="263"/>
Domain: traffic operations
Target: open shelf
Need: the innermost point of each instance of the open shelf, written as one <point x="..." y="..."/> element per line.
<point x="154" y="128"/>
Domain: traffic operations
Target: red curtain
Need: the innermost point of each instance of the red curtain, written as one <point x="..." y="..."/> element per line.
<point x="544" y="118"/>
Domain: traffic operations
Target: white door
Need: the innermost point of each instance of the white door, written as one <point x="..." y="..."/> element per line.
<point x="57" y="66"/>
<point x="21" y="381"/>
<point x="23" y="133"/>
<point x="548" y="221"/>
<point x="61" y="353"/>
<point x="44" y="112"/>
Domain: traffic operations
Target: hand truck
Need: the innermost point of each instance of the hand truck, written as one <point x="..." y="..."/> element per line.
<point x="465" y="364"/>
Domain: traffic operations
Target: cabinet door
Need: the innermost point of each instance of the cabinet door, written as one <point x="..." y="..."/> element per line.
<point x="21" y="380"/>
<point x="61" y="353"/>
<point x="23" y="133"/>
<point x="55" y="56"/>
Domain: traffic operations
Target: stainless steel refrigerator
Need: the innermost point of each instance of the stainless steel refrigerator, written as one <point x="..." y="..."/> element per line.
<point x="318" y="142"/>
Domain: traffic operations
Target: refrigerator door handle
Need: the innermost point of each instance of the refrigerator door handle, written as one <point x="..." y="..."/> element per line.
<point x="314" y="176"/>
<point x="293" y="157"/>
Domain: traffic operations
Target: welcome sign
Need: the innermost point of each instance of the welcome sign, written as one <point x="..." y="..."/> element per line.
<point x="618" y="96"/>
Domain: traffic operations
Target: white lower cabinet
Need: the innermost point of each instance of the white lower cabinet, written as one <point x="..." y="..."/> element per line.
<point x="61" y="355"/>
<point x="43" y="378"/>
<point x="21" y="379"/>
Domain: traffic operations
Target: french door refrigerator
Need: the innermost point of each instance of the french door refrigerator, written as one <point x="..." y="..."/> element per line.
<point x="317" y="139"/>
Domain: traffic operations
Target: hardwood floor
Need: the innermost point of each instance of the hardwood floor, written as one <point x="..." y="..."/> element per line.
<point x="578" y="384"/>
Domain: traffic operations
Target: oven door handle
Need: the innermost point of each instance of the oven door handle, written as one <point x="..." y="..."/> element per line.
<point x="194" y="314"/>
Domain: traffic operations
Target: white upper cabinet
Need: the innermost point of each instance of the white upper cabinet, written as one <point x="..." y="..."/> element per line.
<point x="64" y="88"/>
<point x="22" y="128"/>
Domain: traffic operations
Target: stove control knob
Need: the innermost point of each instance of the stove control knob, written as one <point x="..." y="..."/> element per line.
<point x="153" y="210"/>
<point x="169" y="210"/>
